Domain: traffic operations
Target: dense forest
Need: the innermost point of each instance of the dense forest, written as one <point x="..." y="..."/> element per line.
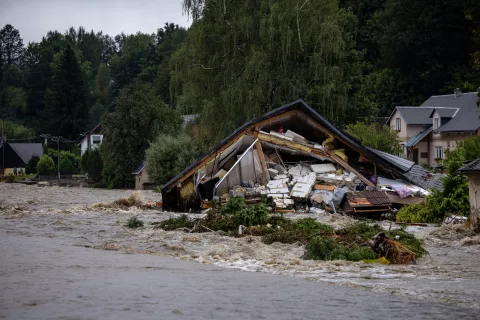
<point x="349" y="59"/>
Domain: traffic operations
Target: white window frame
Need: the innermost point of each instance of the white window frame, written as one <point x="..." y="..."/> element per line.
<point x="436" y="122"/>
<point x="398" y="124"/>
<point x="439" y="152"/>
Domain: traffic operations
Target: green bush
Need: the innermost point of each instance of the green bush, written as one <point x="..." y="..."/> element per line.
<point x="134" y="223"/>
<point x="32" y="165"/>
<point x="45" y="165"/>
<point x="92" y="164"/>
<point x="252" y="216"/>
<point x="320" y="248"/>
<point x="418" y="213"/>
<point x="373" y="135"/>
<point x="176" y="223"/>
<point x="314" y="227"/>
<point x="169" y="155"/>
<point x="233" y="205"/>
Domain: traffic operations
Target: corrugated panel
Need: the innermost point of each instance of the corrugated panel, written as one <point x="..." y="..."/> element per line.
<point x="416" y="139"/>
<point x="400" y="163"/>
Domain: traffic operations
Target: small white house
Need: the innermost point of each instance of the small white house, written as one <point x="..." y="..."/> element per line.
<point x="92" y="140"/>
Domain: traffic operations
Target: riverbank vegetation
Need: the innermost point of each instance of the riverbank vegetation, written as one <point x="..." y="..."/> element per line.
<point x="322" y="241"/>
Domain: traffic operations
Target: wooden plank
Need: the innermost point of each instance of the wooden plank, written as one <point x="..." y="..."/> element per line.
<point x="207" y="159"/>
<point x="324" y="187"/>
<point x="345" y="165"/>
<point x="283" y="142"/>
<point x="261" y="157"/>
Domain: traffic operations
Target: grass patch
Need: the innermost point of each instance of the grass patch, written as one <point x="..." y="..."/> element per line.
<point x="134" y="223"/>
<point x="176" y="223"/>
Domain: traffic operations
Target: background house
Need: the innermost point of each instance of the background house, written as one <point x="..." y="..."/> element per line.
<point x="92" y="140"/>
<point x="17" y="155"/>
<point x="427" y="131"/>
<point x="142" y="181"/>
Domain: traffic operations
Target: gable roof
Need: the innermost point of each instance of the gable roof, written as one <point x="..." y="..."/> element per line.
<point x="27" y="150"/>
<point x="472" y="167"/>
<point x="467" y="117"/>
<point x="415" y="115"/>
<point x="138" y="169"/>
<point x="444" y="112"/>
<point x="417" y="138"/>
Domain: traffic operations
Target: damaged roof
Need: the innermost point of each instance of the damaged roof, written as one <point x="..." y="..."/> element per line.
<point x="296" y="105"/>
<point x="412" y="172"/>
<point x="398" y="165"/>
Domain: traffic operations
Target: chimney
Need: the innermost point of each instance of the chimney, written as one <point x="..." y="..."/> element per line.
<point x="457" y="92"/>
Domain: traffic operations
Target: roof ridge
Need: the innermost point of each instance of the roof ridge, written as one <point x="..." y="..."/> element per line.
<point x="452" y="94"/>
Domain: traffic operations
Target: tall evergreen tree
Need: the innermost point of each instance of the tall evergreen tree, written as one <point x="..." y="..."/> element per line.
<point x="66" y="111"/>
<point x="139" y="117"/>
<point x="11" y="45"/>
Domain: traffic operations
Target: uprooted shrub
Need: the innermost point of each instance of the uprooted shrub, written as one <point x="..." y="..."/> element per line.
<point x="134" y="200"/>
<point x="177" y="223"/>
<point x="134" y="223"/>
<point x="320" y="248"/>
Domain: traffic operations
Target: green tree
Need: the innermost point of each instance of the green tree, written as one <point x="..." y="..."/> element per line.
<point x="242" y="60"/>
<point x="66" y="111"/>
<point x="45" y="165"/>
<point x="382" y="138"/>
<point x="139" y="117"/>
<point x="15" y="131"/>
<point x="92" y="164"/>
<point x="31" y="166"/>
<point x="168" y="155"/>
<point x="11" y="45"/>
<point x="13" y="105"/>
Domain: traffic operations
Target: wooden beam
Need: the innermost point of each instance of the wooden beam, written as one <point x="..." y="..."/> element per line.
<point x="209" y="158"/>
<point x="261" y="157"/>
<point x="345" y="165"/>
<point x="284" y="142"/>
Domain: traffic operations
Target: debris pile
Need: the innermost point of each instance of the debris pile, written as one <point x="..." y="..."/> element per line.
<point x="296" y="161"/>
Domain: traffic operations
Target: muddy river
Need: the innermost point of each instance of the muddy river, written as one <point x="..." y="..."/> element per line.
<point x="62" y="257"/>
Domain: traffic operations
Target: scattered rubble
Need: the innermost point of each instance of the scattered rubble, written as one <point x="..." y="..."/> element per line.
<point x="295" y="161"/>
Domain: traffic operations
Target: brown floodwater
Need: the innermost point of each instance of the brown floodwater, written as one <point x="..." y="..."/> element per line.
<point x="63" y="258"/>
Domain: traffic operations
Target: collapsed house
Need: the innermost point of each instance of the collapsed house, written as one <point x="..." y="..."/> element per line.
<point x="299" y="162"/>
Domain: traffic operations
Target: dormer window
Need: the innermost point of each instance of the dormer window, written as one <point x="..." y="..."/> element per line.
<point x="436" y="123"/>
<point x="398" y="124"/>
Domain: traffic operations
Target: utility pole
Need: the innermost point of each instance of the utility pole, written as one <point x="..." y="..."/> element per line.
<point x="58" y="156"/>
<point x="4" y="137"/>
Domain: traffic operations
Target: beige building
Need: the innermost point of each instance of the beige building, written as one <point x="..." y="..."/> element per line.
<point x="428" y="131"/>
<point x="142" y="181"/>
<point x="472" y="170"/>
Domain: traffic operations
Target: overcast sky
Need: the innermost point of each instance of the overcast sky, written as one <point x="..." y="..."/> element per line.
<point x="34" y="18"/>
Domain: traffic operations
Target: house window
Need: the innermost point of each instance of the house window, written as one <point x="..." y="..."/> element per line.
<point x="438" y="152"/>
<point x="436" y="123"/>
<point x="398" y="124"/>
<point x="96" y="139"/>
<point x="424" y="155"/>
